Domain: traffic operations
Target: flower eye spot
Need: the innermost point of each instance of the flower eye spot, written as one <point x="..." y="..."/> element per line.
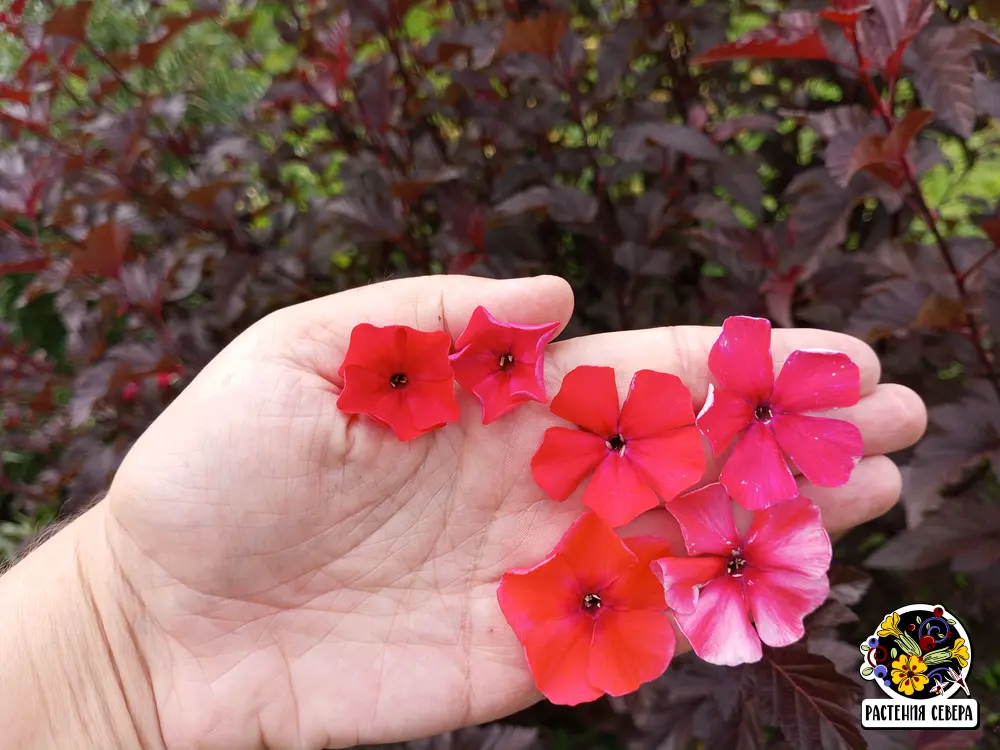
<point x="592" y="601"/>
<point x="398" y="380"/>
<point x="763" y="413"/>
<point x="616" y="444"/>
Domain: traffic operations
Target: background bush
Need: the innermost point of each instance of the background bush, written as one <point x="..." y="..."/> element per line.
<point x="172" y="170"/>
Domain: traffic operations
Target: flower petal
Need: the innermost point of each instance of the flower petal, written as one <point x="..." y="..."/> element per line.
<point x="378" y="348"/>
<point x="657" y="402"/>
<point x="741" y="361"/>
<point x="724" y="416"/>
<point x="756" y="474"/>
<point x="705" y="516"/>
<point x="531" y="597"/>
<point x="588" y="397"/>
<point x="638" y="588"/>
<point x="628" y="649"/>
<point x="825" y="450"/>
<point x="719" y="630"/>
<point x="564" y="459"/>
<point x="595" y="553"/>
<point x="779" y="599"/>
<point x="367" y="392"/>
<point x="789" y="536"/>
<point x="617" y="493"/>
<point x="431" y="404"/>
<point x="426" y="355"/>
<point x="558" y="655"/>
<point x="670" y="463"/>
<point x="481" y="326"/>
<point x="682" y="577"/>
<point x="812" y="380"/>
<point x="494" y="396"/>
<point x="526" y="383"/>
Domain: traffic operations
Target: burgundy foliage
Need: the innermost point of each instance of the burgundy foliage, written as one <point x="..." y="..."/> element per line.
<point x="672" y="175"/>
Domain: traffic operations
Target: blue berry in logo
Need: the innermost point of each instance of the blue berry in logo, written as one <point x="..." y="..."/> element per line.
<point x="873" y="641"/>
<point x="888" y="683"/>
<point x="881" y="671"/>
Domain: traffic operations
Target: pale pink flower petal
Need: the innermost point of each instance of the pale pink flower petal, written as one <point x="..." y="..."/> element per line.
<point x="756" y="474"/>
<point x="812" y="380"/>
<point x="683" y="576"/>
<point x="825" y="450"/>
<point x="724" y="416"/>
<point x="789" y="536"/>
<point x="741" y="360"/>
<point x="779" y="599"/>
<point x="719" y="629"/>
<point x="705" y="516"/>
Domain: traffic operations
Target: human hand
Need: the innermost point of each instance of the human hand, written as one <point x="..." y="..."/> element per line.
<point x="302" y="579"/>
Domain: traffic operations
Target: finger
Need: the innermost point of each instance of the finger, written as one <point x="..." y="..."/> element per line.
<point x="683" y="351"/>
<point x="320" y="330"/>
<point x="874" y="487"/>
<point x="890" y="419"/>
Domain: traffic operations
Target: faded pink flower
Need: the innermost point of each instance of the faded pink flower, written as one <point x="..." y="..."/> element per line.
<point x="736" y="590"/>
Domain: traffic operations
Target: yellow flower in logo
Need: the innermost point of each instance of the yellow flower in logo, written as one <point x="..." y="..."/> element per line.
<point x="961" y="652"/>
<point x="890" y="626"/>
<point x="908" y="674"/>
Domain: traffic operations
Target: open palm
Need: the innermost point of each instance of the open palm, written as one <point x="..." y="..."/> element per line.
<point x="308" y="581"/>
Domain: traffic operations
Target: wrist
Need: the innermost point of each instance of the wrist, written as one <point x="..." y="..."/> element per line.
<point x="73" y="677"/>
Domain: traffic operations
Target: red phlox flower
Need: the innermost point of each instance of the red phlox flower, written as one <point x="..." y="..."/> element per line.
<point x="400" y="377"/>
<point x="502" y="364"/>
<point x="591" y="616"/>
<point x="766" y="417"/>
<point x="647" y="447"/>
<point x="772" y="576"/>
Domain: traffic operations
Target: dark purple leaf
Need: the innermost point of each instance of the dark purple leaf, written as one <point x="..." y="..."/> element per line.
<point x="944" y="74"/>
<point x="803" y="695"/>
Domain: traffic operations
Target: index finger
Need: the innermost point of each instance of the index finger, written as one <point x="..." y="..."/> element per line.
<point x="683" y="351"/>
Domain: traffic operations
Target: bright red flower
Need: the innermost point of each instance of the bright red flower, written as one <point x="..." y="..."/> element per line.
<point x="772" y="576"/>
<point x="502" y="363"/>
<point x="400" y="377"/>
<point x="766" y="415"/>
<point x="591" y="616"/>
<point x="647" y="447"/>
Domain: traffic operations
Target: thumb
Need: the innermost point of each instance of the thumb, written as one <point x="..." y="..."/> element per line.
<point x="427" y="303"/>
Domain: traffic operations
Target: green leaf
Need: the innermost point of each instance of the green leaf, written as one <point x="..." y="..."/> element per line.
<point x="867" y="671"/>
<point x="951" y="621"/>
<point x="918" y="621"/>
<point x="894" y="653"/>
<point x="864" y="647"/>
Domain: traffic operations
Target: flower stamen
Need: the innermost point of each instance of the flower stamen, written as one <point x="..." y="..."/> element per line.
<point x="616" y="443"/>
<point x="592" y="601"/>
<point x="763" y="413"/>
<point x="398" y="380"/>
<point x="736" y="565"/>
<point x="506" y="361"/>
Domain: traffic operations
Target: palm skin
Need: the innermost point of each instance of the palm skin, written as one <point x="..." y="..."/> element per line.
<point x="307" y="581"/>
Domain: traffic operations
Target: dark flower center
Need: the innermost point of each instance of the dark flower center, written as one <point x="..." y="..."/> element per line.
<point x="616" y="443"/>
<point x="506" y="361"/>
<point x="736" y="565"/>
<point x="762" y="413"/>
<point x="398" y="380"/>
<point x="591" y="601"/>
